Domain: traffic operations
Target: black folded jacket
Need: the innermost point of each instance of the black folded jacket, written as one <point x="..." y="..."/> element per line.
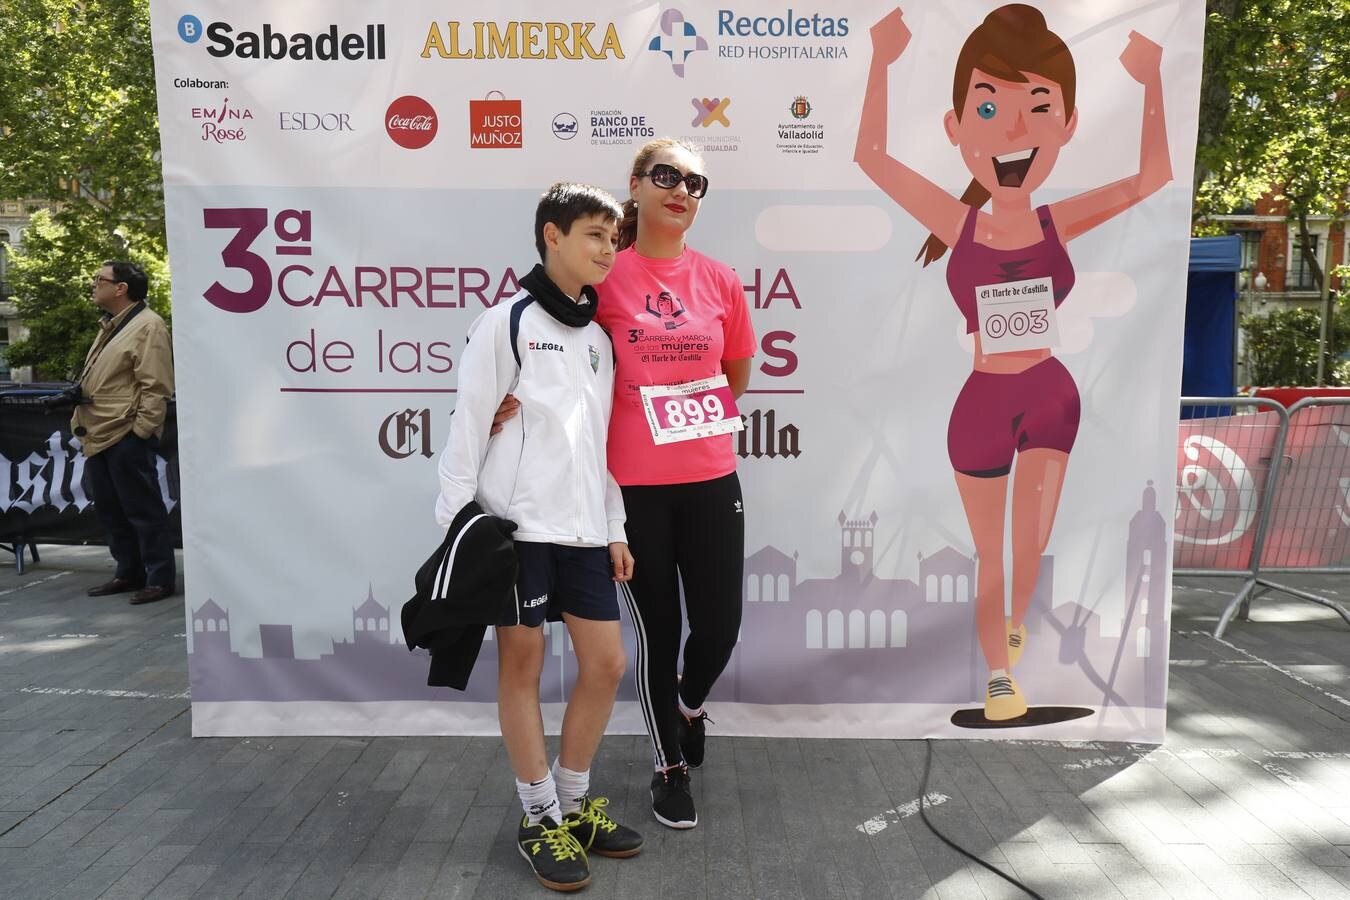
<point x="467" y="584"/>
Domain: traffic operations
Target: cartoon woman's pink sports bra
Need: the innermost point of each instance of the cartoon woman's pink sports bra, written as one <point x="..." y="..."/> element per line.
<point x="974" y="265"/>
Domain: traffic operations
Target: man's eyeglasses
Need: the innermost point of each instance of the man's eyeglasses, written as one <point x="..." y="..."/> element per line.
<point x="97" y="278"/>
<point x="666" y="176"/>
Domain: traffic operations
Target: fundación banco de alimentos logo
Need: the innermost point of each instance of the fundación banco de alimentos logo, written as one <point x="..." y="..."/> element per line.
<point x="565" y="126"/>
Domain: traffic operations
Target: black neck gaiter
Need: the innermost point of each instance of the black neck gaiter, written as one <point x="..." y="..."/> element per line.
<point x="559" y="305"/>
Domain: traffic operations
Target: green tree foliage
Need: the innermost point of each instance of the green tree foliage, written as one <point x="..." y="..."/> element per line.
<point x="52" y="280"/>
<point x="78" y="125"/>
<point x="1275" y="109"/>
<point x="1282" y="347"/>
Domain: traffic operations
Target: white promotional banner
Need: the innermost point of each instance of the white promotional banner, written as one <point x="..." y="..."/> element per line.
<point x="950" y="470"/>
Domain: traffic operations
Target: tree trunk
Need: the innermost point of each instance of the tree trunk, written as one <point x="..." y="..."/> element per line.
<point x="1306" y="250"/>
<point x="1326" y="365"/>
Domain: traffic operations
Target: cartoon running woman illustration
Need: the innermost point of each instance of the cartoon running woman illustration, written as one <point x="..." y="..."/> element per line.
<point x="1012" y="111"/>
<point x="665" y="307"/>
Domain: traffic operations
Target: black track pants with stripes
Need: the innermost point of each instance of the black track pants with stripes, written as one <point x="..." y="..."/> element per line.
<point x="691" y="534"/>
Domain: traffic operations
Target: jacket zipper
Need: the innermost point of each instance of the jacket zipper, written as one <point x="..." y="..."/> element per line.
<point x="581" y="430"/>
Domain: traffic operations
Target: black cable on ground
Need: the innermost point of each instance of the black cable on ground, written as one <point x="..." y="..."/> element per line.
<point x="923" y="814"/>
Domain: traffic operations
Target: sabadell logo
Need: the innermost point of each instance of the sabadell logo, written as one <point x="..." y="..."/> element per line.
<point x="411" y="122"/>
<point x="330" y="44"/>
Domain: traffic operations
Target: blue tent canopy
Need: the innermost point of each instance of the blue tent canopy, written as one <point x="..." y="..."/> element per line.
<point x="1211" y="317"/>
<point x="1216" y="254"/>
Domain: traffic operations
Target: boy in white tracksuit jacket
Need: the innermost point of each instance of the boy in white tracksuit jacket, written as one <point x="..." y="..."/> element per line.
<point x="546" y="471"/>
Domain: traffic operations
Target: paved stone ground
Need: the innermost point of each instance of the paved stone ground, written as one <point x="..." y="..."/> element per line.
<point x="104" y="794"/>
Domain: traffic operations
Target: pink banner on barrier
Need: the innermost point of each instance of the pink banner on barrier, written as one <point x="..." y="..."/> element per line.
<point x="1310" y="520"/>
<point x="1222" y="464"/>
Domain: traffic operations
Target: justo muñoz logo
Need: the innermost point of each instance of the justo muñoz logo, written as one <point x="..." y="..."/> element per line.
<point x="411" y="122"/>
<point x="495" y="123"/>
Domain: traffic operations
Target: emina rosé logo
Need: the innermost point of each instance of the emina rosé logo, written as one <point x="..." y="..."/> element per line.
<point x="411" y="122"/>
<point x="223" y="123"/>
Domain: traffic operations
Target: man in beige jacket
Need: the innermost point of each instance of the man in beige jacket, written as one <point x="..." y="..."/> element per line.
<point x="124" y="391"/>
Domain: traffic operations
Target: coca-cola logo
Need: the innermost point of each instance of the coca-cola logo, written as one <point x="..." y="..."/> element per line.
<point x="411" y="122"/>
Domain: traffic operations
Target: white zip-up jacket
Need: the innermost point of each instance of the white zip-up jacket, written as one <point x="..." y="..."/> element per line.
<point x="546" y="470"/>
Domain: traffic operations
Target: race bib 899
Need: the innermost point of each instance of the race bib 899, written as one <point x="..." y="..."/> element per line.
<point x="695" y="409"/>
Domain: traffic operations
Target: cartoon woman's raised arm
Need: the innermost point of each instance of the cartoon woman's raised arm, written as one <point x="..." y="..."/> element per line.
<point x="1143" y="60"/>
<point x="934" y="208"/>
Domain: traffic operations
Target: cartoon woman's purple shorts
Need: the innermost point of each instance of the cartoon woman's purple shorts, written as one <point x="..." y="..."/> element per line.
<point x="997" y="416"/>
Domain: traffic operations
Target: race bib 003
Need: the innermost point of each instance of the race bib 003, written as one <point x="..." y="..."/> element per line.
<point x="1017" y="315"/>
<point x="695" y="409"/>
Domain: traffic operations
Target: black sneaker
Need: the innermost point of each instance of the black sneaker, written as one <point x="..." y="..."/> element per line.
<point x="600" y="834"/>
<point x="692" y="737"/>
<point x="672" y="804"/>
<point x="559" y="862"/>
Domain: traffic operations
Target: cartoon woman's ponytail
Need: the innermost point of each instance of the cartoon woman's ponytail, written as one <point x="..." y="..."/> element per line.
<point x="933" y="249"/>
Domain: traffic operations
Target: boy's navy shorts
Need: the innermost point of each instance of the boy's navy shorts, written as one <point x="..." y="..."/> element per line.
<point x="554" y="579"/>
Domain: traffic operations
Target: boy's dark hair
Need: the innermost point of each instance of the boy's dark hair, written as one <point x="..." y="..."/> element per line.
<point x="566" y="202"/>
<point x="135" y="278"/>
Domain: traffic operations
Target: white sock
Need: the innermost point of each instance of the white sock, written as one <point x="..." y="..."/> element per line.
<point x="995" y="673"/>
<point x="686" y="711"/>
<point x="572" y="787"/>
<point x="539" y="799"/>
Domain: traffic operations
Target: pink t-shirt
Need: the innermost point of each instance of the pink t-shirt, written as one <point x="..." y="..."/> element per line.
<point x="671" y="321"/>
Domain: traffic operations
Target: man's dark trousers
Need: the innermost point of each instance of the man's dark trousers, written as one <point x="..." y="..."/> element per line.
<point x="126" y="493"/>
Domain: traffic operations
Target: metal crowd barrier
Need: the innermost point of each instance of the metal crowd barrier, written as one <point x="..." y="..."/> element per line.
<point x="21" y="398"/>
<point x="43" y="499"/>
<point x="1310" y="521"/>
<point x="1241" y="515"/>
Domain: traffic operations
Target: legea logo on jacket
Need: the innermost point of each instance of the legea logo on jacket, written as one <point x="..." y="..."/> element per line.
<point x="546" y="345"/>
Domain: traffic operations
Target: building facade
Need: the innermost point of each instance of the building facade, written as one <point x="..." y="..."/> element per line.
<point x="15" y="216"/>
<point x="1270" y="246"/>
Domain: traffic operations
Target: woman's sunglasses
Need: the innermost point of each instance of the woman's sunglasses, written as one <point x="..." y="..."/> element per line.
<point x="666" y="176"/>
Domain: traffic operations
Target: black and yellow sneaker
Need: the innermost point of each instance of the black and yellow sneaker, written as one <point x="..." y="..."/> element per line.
<point x="672" y="802"/>
<point x="692" y="737"/>
<point x="600" y="834"/>
<point x="558" y="860"/>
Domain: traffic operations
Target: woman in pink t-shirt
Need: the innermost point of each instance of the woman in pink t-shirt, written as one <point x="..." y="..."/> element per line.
<point x="675" y="316"/>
